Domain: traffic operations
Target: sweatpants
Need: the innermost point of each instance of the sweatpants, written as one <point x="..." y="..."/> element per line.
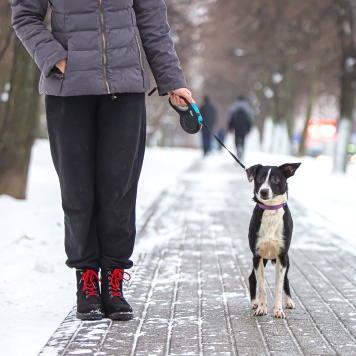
<point x="97" y="145"/>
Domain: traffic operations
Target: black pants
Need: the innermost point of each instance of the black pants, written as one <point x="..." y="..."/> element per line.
<point x="240" y="146"/>
<point x="97" y="146"/>
<point x="206" y="136"/>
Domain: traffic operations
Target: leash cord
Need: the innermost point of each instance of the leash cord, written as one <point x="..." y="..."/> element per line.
<point x="221" y="143"/>
<point x="196" y="110"/>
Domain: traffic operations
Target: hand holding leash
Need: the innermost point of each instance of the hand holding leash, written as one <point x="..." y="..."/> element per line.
<point x="190" y="119"/>
<point x="177" y="96"/>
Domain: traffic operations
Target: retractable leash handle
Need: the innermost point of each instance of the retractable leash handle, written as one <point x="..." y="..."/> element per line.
<point x="191" y="122"/>
<point x="190" y="118"/>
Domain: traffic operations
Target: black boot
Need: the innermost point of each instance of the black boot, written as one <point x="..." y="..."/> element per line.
<point x="116" y="307"/>
<point x="89" y="305"/>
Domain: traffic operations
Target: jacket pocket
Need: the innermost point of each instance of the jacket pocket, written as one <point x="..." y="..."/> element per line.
<point x="52" y="85"/>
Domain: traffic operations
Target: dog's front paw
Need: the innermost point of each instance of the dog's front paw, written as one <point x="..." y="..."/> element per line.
<point x="278" y="313"/>
<point x="254" y="304"/>
<point x="261" y="310"/>
<point x="289" y="303"/>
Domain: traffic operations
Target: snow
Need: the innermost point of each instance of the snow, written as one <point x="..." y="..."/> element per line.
<point x="39" y="290"/>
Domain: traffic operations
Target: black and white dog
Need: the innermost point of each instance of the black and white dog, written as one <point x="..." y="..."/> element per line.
<point x="270" y="234"/>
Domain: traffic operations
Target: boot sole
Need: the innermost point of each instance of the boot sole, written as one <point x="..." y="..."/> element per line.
<point x="89" y="316"/>
<point x="121" y="316"/>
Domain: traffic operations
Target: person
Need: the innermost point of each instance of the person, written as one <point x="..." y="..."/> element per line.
<point x="94" y="75"/>
<point x="208" y="113"/>
<point x="240" y="121"/>
<point x="221" y="135"/>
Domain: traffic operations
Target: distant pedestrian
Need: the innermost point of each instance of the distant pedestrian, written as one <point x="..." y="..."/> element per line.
<point x="209" y="114"/>
<point x="221" y="135"/>
<point x="240" y="120"/>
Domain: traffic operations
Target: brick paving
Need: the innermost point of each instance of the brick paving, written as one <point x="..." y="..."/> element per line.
<point x="189" y="286"/>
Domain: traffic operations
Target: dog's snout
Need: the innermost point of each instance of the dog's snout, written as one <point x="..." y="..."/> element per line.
<point x="264" y="193"/>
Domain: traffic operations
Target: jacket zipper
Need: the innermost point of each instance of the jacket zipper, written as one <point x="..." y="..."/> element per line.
<point x="140" y="54"/>
<point x="104" y="46"/>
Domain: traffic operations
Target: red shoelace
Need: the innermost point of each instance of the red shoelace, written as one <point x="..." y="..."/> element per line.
<point x="89" y="283"/>
<point x="117" y="275"/>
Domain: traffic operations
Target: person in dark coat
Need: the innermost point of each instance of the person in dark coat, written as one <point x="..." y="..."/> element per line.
<point x="240" y="121"/>
<point x="94" y="73"/>
<point x="209" y="114"/>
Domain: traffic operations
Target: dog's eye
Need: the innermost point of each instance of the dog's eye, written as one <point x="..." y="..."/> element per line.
<point x="259" y="179"/>
<point x="274" y="179"/>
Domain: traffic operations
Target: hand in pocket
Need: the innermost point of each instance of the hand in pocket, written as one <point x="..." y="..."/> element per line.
<point x="61" y="65"/>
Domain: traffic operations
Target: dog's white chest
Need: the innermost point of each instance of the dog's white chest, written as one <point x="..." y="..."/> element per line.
<point x="270" y="236"/>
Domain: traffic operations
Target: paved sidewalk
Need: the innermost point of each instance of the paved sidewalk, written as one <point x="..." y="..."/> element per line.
<point x="189" y="286"/>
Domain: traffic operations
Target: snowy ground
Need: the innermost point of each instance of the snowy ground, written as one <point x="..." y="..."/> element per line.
<point x="39" y="290"/>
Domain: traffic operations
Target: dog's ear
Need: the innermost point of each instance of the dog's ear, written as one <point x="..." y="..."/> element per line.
<point x="289" y="168"/>
<point x="251" y="172"/>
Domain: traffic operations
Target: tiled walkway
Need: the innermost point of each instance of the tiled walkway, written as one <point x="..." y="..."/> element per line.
<point x="189" y="286"/>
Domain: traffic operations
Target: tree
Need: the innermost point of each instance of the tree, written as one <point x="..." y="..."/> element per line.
<point x="19" y="117"/>
<point x="284" y="54"/>
<point x="345" y="11"/>
<point x="7" y="37"/>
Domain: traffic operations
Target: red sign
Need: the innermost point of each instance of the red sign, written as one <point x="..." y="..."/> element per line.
<point x="322" y="130"/>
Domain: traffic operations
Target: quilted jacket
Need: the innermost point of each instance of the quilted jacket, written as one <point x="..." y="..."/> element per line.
<point x="107" y="44"/>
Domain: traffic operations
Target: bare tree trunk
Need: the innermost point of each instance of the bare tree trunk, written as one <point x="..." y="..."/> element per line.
<point x="5" y="26"/>
<point x="311" y="100"/>
<point x="19" y="128"/>
<point x="289" y="108"/>
<point x="347" y="30"/>
<point x="7" y="36"/>
<point x="347" y="102"/>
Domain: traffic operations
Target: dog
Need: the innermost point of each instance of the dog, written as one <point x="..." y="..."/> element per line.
<point x="270" y="234"/>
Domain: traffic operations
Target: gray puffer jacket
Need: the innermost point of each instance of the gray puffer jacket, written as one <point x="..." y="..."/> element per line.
<point x="105" y="42"/>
